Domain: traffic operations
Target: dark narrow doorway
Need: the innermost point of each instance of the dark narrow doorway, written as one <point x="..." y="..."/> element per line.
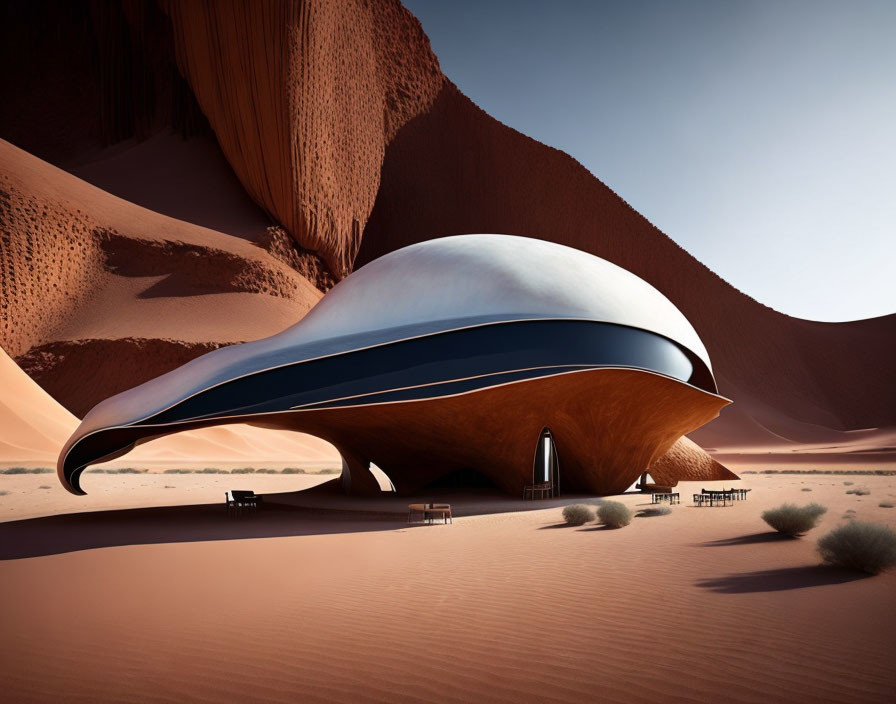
<point x="546" y="468"/>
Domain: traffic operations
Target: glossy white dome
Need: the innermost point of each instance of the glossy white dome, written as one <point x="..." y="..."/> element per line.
<point x="481" y="278"/>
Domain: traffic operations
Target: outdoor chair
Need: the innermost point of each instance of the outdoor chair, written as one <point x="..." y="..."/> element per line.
<point x="543" y="489"/>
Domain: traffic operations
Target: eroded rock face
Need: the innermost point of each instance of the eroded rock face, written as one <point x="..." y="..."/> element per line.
<point x="304" y="97"/>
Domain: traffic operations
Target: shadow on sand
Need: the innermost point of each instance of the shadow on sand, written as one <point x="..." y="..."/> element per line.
<point x="753" y="539"/>
<point x="779" y="580"/>
<point x="52" y="535"/>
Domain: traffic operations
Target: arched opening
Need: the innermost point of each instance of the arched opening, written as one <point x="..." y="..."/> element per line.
<point x="382" y="479"/>
<point x="642" y="482"/>
<point x="361" y="477"/>
<point x="546" y="467"/>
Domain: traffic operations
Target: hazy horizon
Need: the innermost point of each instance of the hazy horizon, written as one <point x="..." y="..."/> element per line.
<point x="759" y="136"/>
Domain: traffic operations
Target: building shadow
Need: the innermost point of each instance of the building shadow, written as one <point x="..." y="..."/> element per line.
<point x="778" y="580"/>
<point x="71" y="532"/>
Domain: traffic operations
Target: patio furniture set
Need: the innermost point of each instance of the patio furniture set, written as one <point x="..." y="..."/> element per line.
<point x="713" y="497"/>
<point x="429" y="513"/>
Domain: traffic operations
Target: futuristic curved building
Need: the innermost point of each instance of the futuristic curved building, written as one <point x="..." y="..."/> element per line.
<point x="519" y="359"/>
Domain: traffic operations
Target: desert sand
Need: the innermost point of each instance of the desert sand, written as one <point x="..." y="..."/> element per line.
<point x="297" y="604"/>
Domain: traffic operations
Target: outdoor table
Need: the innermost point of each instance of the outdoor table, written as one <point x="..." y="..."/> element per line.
<point x="672" y="498"/>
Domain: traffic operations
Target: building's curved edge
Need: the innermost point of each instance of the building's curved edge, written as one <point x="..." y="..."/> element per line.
<point x="69" y="476"/>
<point x="151" y="392"/>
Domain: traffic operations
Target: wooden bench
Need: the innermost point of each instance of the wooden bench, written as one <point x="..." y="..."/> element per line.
<point x="430" y="511"/>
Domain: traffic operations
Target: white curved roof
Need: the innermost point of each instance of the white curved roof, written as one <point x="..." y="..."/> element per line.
<point x="440" y="284"/>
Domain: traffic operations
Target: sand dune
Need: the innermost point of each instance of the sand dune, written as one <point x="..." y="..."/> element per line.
<point x="33" y="429"/>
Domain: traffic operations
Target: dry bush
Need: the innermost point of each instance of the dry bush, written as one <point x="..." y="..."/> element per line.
<point x="794" y="520"/>
<point x="848" y="483"/>
<point x="868" y="547"/>
<point x="577" y="514"/>
<point x="805" y="489"/>
<point x="614" y="514"/>
<point x="859" y="491"/>
<point x="886" y="504"/>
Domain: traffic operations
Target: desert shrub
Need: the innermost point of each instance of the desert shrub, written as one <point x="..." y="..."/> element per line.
<point x="214" y="470"/>
<point x="614" y="514"/>
<point x="243" y="470"/>
<point x="266" y="471"/>
<point x="868" y="547"/>
<point x="577" y="514"/>
<point x="25" y="470"/>
<point x="3" y="492"/>
<point x="177" y="471"/>
<point x="45" y="486"/>
<point x="794" y="520"/>
<point x="805" y="489"/>
<point x="848" y="483"/>
<point x="654" y="511"/>
<point x="886" y="504"/>
<point x="330" y="471"/>
<point x="292" y="470"/>
<point x="859" y="491"/>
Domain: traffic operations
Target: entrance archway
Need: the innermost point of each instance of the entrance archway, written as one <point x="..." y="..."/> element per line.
<point x="546" y="467"/>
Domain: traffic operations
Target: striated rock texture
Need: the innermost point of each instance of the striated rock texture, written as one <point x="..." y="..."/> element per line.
<point x="98" y="295"/>
<point x="303" y="98"/>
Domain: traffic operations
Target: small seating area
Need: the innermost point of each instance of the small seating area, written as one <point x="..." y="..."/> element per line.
<point x="240" y="503"/>
<point x="665" y="497"/>
<point x="429" y="513"/>
<point x="722" y="497"/>
<point x="540" y="490"/>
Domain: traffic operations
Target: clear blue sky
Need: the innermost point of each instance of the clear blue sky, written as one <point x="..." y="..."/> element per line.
<point x="760" y="136"/>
